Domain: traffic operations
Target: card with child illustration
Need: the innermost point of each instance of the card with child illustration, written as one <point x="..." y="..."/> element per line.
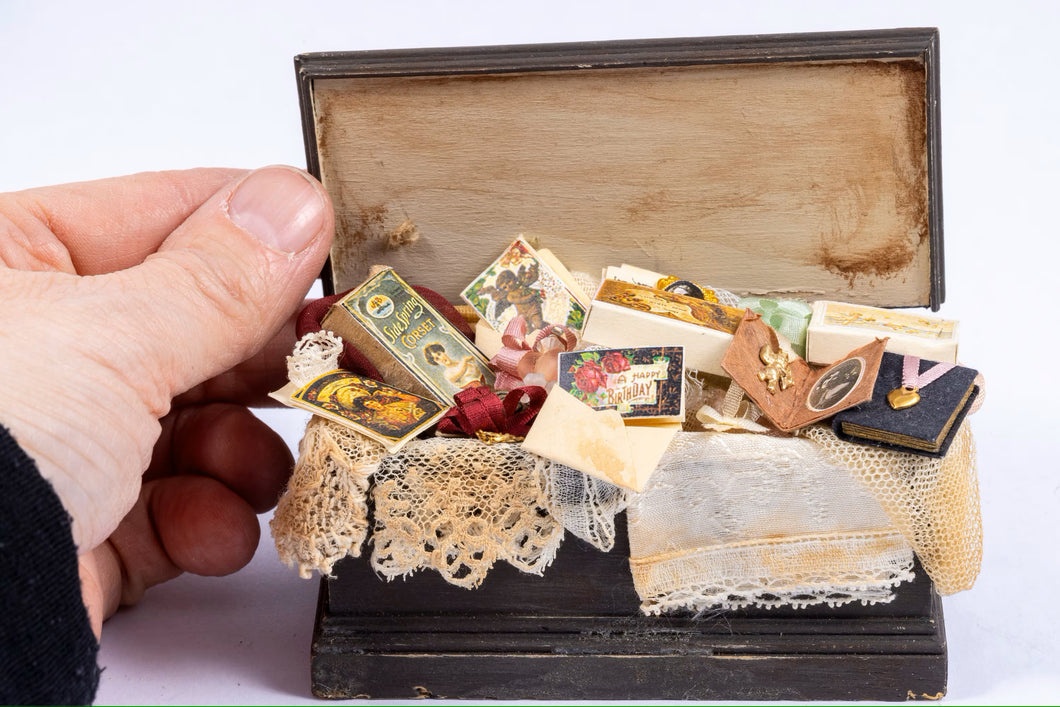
<point x="522" y="283"/>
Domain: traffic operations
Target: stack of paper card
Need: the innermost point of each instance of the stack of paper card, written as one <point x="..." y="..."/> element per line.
<point x="837" y="327"/>
<point x="628" y="315"/>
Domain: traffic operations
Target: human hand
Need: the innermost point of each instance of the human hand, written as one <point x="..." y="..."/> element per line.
<point x="122" y="295"/>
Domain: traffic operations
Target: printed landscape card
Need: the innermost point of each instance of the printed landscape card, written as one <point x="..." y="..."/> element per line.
<point x="639" y="382"/>
<point x="377" y="410"/>
<point x="520" y="283"/>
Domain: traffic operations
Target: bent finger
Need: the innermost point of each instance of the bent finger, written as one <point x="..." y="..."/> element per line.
<point x="184" y="523"/>
<point x="228" y="443"/>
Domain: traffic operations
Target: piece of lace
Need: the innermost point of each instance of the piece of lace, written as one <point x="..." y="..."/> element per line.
<point x="323" y="515"/>
<point x="585" y="505"/>
<point x="933" y="502"/>
<point x="735" y="520"/>
<point x="457" y="506"/>
<point x="314" y="355"/>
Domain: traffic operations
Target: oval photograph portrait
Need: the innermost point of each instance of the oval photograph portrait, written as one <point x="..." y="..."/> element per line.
<point x="835" y="385"/>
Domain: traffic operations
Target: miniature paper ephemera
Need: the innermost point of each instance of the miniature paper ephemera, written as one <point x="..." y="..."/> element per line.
<point x="389" y="321"/>
<point x="597" y="442"/>
<point x="837" y="327"/>
<point x="789" y="392"/>
<point x="629" y="315"/>
<point x="669" y="283"/>
<point x="376" y="410"/>
<point x="643" y="382"/>
<point x="520" y="283"/>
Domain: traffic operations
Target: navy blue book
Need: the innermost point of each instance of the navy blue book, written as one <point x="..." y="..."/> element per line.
<point x="921" y="421"/>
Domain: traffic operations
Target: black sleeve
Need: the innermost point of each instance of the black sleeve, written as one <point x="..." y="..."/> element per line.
<point x="47" y="648"/>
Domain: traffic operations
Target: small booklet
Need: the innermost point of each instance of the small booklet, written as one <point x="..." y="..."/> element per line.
<point x="926" y="427"/>
<point x="786" y="388"/>
<point x="524" y="282"/>
<point x="643" y="382"/>
<point x="386" y="414"/>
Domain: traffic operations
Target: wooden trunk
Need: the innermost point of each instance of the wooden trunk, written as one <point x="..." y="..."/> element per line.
<point x="794" y="165"/>
<point x="577" y="633"/>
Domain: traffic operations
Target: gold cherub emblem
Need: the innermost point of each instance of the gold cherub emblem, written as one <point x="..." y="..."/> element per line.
<point x="777" y="371"/>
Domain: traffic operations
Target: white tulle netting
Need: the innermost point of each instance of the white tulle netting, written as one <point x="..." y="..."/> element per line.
<point x="735" y="520"/>
<point x="457" y="506"/>
<point x="585" y="505"/>
<point x="323" y="515"/>
<point x="933" y="502"/>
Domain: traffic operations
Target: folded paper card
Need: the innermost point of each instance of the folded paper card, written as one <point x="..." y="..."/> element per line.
<point x="921" y="419"/>
<point x="836" y="327"/>
<point x="628" y="315"/>
<point x="598" y="442"/>
<point x="643" y="383"/>
<point x="786" y="388"/>
<point x="523" y="282"/>
<point x="412" y="345"/>
<point x="386" y="414"/>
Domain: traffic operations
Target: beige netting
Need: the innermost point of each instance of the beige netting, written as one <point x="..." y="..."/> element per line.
<point x="733" y="520"/>
<point x="323" y="515"/>
<point x="457" y="506"/>
<point x="934" y="502"/>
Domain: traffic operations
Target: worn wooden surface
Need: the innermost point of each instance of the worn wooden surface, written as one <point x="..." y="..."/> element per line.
<point x="767" y="165"/>
<point x="577" y="633"/>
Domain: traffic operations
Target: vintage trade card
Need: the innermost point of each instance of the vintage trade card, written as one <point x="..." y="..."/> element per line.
<point x="519" y="283"/>
<point x="377" y="410"/>
<point x="642" y="382"/>
<point x="405" y="327"/>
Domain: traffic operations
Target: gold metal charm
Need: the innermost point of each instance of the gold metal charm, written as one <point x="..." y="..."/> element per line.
<point x="777" y="371"/>
<point x="496" y="437"/>
<point x="902" y="398"/>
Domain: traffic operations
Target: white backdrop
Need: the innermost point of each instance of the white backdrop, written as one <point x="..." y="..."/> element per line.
<point x="104" y="88"/>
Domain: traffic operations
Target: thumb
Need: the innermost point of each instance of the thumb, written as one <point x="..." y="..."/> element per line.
<point x="226" y="280"/>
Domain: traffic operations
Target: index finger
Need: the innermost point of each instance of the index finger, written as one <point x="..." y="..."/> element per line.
<point x="111" y="224"/>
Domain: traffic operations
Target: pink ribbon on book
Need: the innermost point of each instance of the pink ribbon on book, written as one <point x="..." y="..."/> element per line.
<point x="517" y="358"/>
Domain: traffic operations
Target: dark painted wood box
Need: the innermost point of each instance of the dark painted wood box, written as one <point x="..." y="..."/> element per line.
<point x="784" y="165"/>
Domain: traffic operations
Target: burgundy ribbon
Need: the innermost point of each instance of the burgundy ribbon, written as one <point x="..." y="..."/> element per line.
<point x="480" y="408"/>
<point x="352" y="359"/>
<point x="517" y="358"/>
